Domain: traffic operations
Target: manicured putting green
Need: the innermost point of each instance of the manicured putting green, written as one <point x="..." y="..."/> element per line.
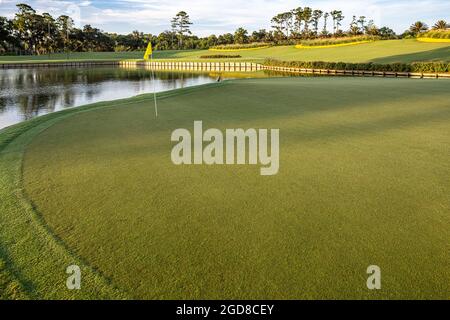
<point x="364" y="180"/>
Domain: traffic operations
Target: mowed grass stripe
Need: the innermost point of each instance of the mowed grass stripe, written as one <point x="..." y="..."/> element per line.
<point x="363" y="180"/>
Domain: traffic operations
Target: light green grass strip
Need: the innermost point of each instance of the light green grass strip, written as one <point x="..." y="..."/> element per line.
<point x="242" y="49"/>
<point x="301" y="46"/>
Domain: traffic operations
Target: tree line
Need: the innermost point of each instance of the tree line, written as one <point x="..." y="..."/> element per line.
<point x="308" y="23"/>
<point x="32" y="33"/>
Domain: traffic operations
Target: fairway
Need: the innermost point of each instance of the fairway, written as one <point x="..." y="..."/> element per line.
<point x="363" y="180"/>
<point x="388" y="51"/>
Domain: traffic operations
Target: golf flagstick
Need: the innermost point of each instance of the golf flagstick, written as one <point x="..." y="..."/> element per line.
<point x="154" y="85"/>
<point x="149" y="52"/>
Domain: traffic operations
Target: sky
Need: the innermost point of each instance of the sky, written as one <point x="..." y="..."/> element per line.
<point x="221" y="16"/>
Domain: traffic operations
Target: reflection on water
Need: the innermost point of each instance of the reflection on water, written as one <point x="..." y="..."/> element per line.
<point x="27" y="93"/>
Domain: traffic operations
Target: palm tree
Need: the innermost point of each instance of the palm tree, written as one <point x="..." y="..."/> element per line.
<point x="418" y="27"/>
<point x="241" y="36"/>
<point x="441" y="25"/>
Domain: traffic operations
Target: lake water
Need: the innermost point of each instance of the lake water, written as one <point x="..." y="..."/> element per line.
<point x="28" y="93"/>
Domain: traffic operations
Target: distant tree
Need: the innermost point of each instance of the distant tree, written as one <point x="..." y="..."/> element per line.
<point x="307" y="15"/>
<point x="23" y="23"/>
<point x="362" y="24"/>
<point x="354" y="28"/>
<point x="269" y="37"/>
<point x="226" y="38"/>
<point x="33" y="33"/>
<point x="418" y="27"/>
<point x="90" y="35"/>
<point x="164" y="41"/>
<point x="441" y="25"/>
<point x="278" y="25"/>
<point x="191" y="42"/>
<point x="298" y="19"/>
<point x="132" y="41"/>
<point x="371" y="29"/>
<point x="174" y="30"/>
<point x="333" y="17"/>
<point x="51" y="33"/>
<point x="316" y="15"/>
<point x="337" y="19"/>
<point x="286" y="18"/>
<point x="93" y="39"/>
<point x="259" y="36"/>
<point x="138" y="40"/>
<point x="65" y="27"/>
<point x="181" y="25"/>
<point x="241" y="36"/>
<point x="76" y="41"/>
<point x="6" y="34"/>
<point x="325" y="23"/>
<point x="211" y="41"/>
<point x="386" y="33"/>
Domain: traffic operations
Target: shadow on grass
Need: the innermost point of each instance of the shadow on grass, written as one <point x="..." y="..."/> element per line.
<point x="233" y="113"/>
<point x="359" y="129"/>
<point x="440" y="54"/>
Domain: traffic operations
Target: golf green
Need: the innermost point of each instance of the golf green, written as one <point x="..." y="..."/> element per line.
<point x="364" y="180"/>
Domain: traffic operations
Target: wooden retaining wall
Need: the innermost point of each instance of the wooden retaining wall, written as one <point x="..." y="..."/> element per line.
<point x="207" y="66"/>
<point x="360" y="73"/>
<point x="58" y="64"/>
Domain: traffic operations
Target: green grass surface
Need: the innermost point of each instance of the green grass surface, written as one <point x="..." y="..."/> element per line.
<point x="32" y="259"/>
<point x="364" y="179"/>
<point x="380" y="51"/>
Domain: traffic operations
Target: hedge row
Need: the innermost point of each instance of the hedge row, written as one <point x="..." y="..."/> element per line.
<point x="436" y="34"/>
<point x="236" y="46"/>
<point x="334" y="41"/>
<point x="220" y="56"/>
<point x="427" y="67"/>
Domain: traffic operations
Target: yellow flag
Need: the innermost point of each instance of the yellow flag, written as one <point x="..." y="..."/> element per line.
<point x="148" y="52"/>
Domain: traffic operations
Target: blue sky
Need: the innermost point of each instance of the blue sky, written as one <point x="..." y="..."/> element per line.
<point x="220" y="16"/>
